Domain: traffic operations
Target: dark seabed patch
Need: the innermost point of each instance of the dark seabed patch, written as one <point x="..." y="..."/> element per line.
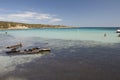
<point x="70" y="60"/>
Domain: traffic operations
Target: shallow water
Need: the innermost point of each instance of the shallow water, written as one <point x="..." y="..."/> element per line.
<point x="93" y="34"/>
<point x="69" y="59"/>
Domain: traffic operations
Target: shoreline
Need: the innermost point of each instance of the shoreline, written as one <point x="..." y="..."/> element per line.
<point x="21" y="28"/>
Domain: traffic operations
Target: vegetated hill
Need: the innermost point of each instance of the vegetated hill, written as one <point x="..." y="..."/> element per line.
<point x="7" y="25"/>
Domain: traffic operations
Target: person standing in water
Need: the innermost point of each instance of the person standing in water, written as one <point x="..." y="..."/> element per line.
<point x="105" y="35"/>
<point x="6" y="33"/>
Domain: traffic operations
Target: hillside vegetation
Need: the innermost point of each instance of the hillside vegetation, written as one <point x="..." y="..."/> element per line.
<point x="7" y="25"/>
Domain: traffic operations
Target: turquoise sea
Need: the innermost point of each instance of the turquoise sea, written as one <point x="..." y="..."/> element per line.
<point x="83" y="33"/>
<point x="83" y="53"/>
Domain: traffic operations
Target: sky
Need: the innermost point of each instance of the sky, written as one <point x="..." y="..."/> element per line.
<point x="77" y="13"/>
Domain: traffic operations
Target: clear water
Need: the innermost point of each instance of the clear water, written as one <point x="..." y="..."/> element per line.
<point x="76" y="54"/>
<point x="93" y="34"/>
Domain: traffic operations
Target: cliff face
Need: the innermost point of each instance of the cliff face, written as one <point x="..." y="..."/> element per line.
<point x="15" y="25"/>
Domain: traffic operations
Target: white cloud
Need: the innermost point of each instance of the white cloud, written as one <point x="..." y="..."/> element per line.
<point x="30" y="17"/>
<point x="56" y="20"/>
<point x="1" y="18"/>
<point x="44" y="16"/>
<point x="23" y="15"/>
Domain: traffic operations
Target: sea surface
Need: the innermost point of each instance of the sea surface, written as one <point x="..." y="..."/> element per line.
<point x="85" y="53"/>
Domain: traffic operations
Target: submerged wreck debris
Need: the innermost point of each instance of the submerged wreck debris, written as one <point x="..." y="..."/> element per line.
<point x="35" y="50"/>
<point x="14" y="46"/>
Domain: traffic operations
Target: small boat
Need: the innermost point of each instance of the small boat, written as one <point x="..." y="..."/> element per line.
<point x="118" y="31"/>
<point x="29" y="51"/>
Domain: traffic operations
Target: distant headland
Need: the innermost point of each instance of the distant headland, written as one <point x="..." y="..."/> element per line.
<point x="17" y="25"/>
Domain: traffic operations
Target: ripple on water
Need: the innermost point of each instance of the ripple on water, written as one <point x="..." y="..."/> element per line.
<point x="9" y="63"/>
